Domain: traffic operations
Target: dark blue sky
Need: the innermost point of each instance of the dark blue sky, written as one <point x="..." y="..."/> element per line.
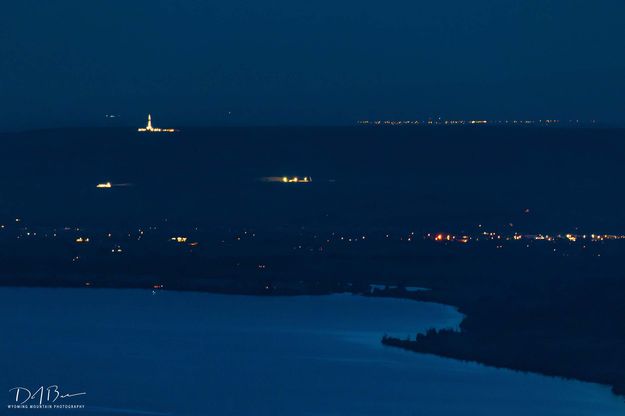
<point x="190" y="62"/>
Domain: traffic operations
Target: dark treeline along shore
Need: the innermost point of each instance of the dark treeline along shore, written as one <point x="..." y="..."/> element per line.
<point x="192" y="211"/>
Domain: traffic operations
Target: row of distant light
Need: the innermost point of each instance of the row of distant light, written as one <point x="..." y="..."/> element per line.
<point x="494" y="236"/>
<point x="451" y="237"/>
<point x="440" y="237"/>
<point x="445" y="122"/>
<point x="84" y="239"/>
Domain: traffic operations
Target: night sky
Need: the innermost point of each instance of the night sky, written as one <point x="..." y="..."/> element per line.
<point x="192" y="62"/>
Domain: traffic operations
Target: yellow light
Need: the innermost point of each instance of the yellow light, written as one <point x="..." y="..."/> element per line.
<point x="287" y="179"/>
<point x="104" y="185"/>
<point x="152" y="129"/>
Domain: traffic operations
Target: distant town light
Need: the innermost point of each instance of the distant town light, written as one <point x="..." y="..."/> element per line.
<point x="150" y="129"/>
<point x="295" y="179"/>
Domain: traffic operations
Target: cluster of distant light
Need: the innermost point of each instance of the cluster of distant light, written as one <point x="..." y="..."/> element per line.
<point x="477" y="240"/>
<point x="80" y="237"/>
<point x="156" y="130"/>
<point x="150" y="129"/>
<point x="120" y="242"/>
<point x="465" y="238"/>
<point x="443" y="122"/>
<point x="108" y="185"/>
<point x="286" y="179"/>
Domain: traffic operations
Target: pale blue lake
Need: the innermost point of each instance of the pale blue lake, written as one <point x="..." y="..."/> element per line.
<point x="171" y="353"/>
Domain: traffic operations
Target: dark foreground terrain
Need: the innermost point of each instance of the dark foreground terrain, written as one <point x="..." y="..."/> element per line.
<point x="559" y="317"/>
<point x="191" y="211"/>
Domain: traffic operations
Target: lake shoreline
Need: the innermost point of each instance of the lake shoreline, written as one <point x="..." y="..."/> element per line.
<point x="460" y="345"/>
<point x="235" y="351"/>
<point x="441" y="350"/>
<point x="448" y="343"/>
